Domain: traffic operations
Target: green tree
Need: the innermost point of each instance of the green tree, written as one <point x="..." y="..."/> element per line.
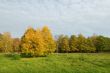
<point x="106" y="44"/>
<point x="81" y="43"/>
<point x="98" y="42"/>
<point x="63" y="44"/>
<point x="101" y="43"/>
<point x="73" y="44"/>
<point x="90" y="47"/>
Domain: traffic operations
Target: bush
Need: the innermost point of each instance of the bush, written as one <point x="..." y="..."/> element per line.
<point x="13" y="56"/>
<point x="16" y="57"/>
<point x="26" y="55"/>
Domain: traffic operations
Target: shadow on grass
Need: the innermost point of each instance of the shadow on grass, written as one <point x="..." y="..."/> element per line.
<point x="16" y="56"/>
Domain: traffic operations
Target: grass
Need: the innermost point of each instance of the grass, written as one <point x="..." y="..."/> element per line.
<point x="58" y="63"/>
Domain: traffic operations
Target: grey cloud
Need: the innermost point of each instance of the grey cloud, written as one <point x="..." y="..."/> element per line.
<point x="63" y="16"/>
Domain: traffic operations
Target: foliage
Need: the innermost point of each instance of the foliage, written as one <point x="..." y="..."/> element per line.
<point x="16" y="56"/>
<point x="101" y="43"/>
<point x="81" y="44"/>
<point x="73" y="44"/>
<point x="31" y="43"/>
<point x="48" y="40"/>
<point x="6" y="43"/>
<point x="13" y="56"/>
<point x="63" y="45"/>
<point x="16" y="45"/>
<point x="40" y="42"/>
<point x="90" y="46"/>
<point x="37" y="42"/>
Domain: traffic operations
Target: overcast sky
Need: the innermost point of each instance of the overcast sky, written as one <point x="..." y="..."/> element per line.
<point x="62" y="16"/>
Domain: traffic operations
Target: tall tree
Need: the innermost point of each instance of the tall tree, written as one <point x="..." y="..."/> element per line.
<point x="90" y="47"/>
<point x="27" y="42"/>
<point x="101" y="43"/>
<point x="6" y="42"/>
<point x="48" y="39"/>
<point x="59" y="42"/>
<point x="73" y="44"/>
<point x="39" y="44"/>
<point x="81" y="44"/>
<point x="33" y="43"/>
<point x="63" y="44"/>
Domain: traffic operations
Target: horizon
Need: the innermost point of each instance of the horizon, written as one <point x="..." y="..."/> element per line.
<point x="61" y="16"/>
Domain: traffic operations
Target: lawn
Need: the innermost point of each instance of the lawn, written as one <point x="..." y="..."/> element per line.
<point x="58" y="63"/>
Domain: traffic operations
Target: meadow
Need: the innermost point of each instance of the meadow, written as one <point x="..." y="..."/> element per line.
<point x="57" y="63"/>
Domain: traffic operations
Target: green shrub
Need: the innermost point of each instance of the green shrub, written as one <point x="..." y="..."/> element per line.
<point x="27" y="55"/>
<point x="16" y="56"/>
<point x="13" y="56"/>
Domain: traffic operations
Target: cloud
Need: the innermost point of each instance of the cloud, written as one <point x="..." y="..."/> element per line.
<point x="63" y="16"/>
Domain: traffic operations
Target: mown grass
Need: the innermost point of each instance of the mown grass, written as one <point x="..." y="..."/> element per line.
<point x="58" y="63"/>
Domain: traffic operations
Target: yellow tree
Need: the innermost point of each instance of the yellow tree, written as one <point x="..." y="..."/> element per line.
<point x="27" y="42"/>
<point x="32" y="43"/>
<point x="6" y="42"/>
<point x="40" y="44"/>
<point x="48" y="39"/>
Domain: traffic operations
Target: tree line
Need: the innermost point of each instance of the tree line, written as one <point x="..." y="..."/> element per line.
<point x="83" y="44"/>
<point x="40" y="42"/>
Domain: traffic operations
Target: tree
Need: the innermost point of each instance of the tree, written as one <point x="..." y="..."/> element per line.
<point x="48" y="40"/>
<point x="63" y="44"/>
<point x="1" y="44"/>
<point x="27" y="42"/>
<point x="33" y="43"/>
<point x="98" y="41"/>
<point x="73" y="44"/>
<point x="59" y="42"/>
<point x="85" y="44"/>
<point x="90" y="47"/>
<point x="39" y="44"/>
<point x="16" y="45"/>
<point x="106" y="44"/>
<point x="81" y="43"/>
<point x="101" y="43"/>
<point x="6" y="42"/>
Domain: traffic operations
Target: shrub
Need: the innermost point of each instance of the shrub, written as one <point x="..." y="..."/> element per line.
<point x="13" y="56"/>
<point x="16" y="56"/>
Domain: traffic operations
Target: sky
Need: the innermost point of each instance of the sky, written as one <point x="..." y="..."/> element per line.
<point x="62" y="16"/>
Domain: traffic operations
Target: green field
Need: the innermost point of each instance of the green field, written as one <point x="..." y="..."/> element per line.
<point x="58" y="63"/>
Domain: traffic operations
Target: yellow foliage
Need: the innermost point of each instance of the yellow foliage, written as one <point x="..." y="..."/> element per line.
<point x="37" y="42"/>
<point x="48" y="39"/>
